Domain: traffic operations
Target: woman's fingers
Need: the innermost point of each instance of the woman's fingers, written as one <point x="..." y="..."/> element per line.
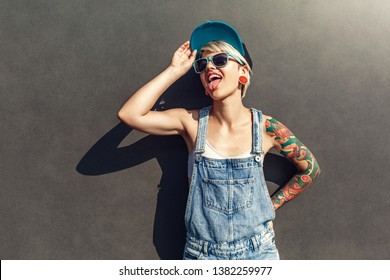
<point x="185" y="46"/>
<point x="186" y="50"/>
<point x="193" y="55"/>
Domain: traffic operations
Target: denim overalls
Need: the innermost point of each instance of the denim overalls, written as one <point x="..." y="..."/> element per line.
<point x="229" y="207"/>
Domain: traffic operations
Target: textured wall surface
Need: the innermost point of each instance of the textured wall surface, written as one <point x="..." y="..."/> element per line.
<point x="77" y="184"/>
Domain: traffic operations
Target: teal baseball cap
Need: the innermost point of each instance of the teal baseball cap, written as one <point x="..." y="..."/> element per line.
<point x="215" y="31"/>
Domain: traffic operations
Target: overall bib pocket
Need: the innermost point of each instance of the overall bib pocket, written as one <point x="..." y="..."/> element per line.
<point x="228" y="196"/>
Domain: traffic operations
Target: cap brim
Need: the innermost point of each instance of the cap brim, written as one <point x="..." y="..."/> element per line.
<point x="215" y="31"/>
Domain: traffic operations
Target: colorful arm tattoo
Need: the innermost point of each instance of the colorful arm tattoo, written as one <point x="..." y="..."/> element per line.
<point x="290" y="147"/>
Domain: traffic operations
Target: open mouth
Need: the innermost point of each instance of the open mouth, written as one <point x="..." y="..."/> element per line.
<point x="213" y="81"/>
<point x="214" y="77"/>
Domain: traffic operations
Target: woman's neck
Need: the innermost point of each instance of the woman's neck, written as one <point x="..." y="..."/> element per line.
<point x="229" y="113"/>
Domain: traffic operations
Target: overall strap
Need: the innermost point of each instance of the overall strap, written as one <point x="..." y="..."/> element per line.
<point x="257" y="136"/>
<point x="202" y="130"/>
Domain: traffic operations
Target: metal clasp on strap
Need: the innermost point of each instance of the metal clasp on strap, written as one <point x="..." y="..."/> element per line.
<point x="198" y="157"/>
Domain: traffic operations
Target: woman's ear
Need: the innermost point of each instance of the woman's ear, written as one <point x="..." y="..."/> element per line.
<point x="244" y="71"/>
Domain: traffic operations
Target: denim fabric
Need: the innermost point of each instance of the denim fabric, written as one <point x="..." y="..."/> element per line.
<point x="258" y="247"/>
<point x="229" y="207"/>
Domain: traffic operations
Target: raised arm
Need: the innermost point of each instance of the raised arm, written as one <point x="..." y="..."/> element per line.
<point x="290" y="147"/>
<point x="136" y="112"/>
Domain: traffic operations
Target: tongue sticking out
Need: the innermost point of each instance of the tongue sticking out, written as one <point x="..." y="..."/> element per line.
<point x="213" y="85"/>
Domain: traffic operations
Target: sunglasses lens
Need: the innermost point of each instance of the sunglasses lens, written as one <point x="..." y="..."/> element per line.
<point x="220" y="60"/>
<point x="200" y="65"/>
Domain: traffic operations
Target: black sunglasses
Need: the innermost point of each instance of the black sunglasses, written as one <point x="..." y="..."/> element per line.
<point x="219" y="60"/>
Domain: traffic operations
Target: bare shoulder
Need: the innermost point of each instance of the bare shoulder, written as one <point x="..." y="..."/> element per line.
<point x="187" y="117"/>
<point x="190" y="120"/>
<point x="278" y="133"/>
<point x="268" y="139"/>
<point x="276" y="130"/>
<point x="266" y="117"/>
<point x="193" y="114"/>
<point x="268" y="122"/>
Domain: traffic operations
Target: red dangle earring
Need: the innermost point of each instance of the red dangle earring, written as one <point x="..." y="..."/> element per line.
<point x="243" y="80"/>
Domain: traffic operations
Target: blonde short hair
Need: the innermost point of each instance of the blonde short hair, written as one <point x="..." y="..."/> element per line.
<point x="221" y="46"/>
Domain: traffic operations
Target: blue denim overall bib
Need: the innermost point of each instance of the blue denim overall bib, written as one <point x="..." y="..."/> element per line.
<point x="229" y="207"/>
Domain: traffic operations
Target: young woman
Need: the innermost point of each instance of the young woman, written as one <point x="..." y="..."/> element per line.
<point x="229" y="210"/>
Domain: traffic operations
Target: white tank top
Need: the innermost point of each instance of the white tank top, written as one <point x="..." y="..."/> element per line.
<point x="210" y="152"/>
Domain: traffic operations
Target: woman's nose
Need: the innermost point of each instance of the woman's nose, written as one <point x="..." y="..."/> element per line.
<point x="210" y="65"/>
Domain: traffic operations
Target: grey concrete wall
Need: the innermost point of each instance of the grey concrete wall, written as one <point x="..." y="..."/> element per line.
<point x="77" y="184"/>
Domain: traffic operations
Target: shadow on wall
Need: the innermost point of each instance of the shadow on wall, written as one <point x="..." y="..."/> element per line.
<point x="171" y="154"/>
